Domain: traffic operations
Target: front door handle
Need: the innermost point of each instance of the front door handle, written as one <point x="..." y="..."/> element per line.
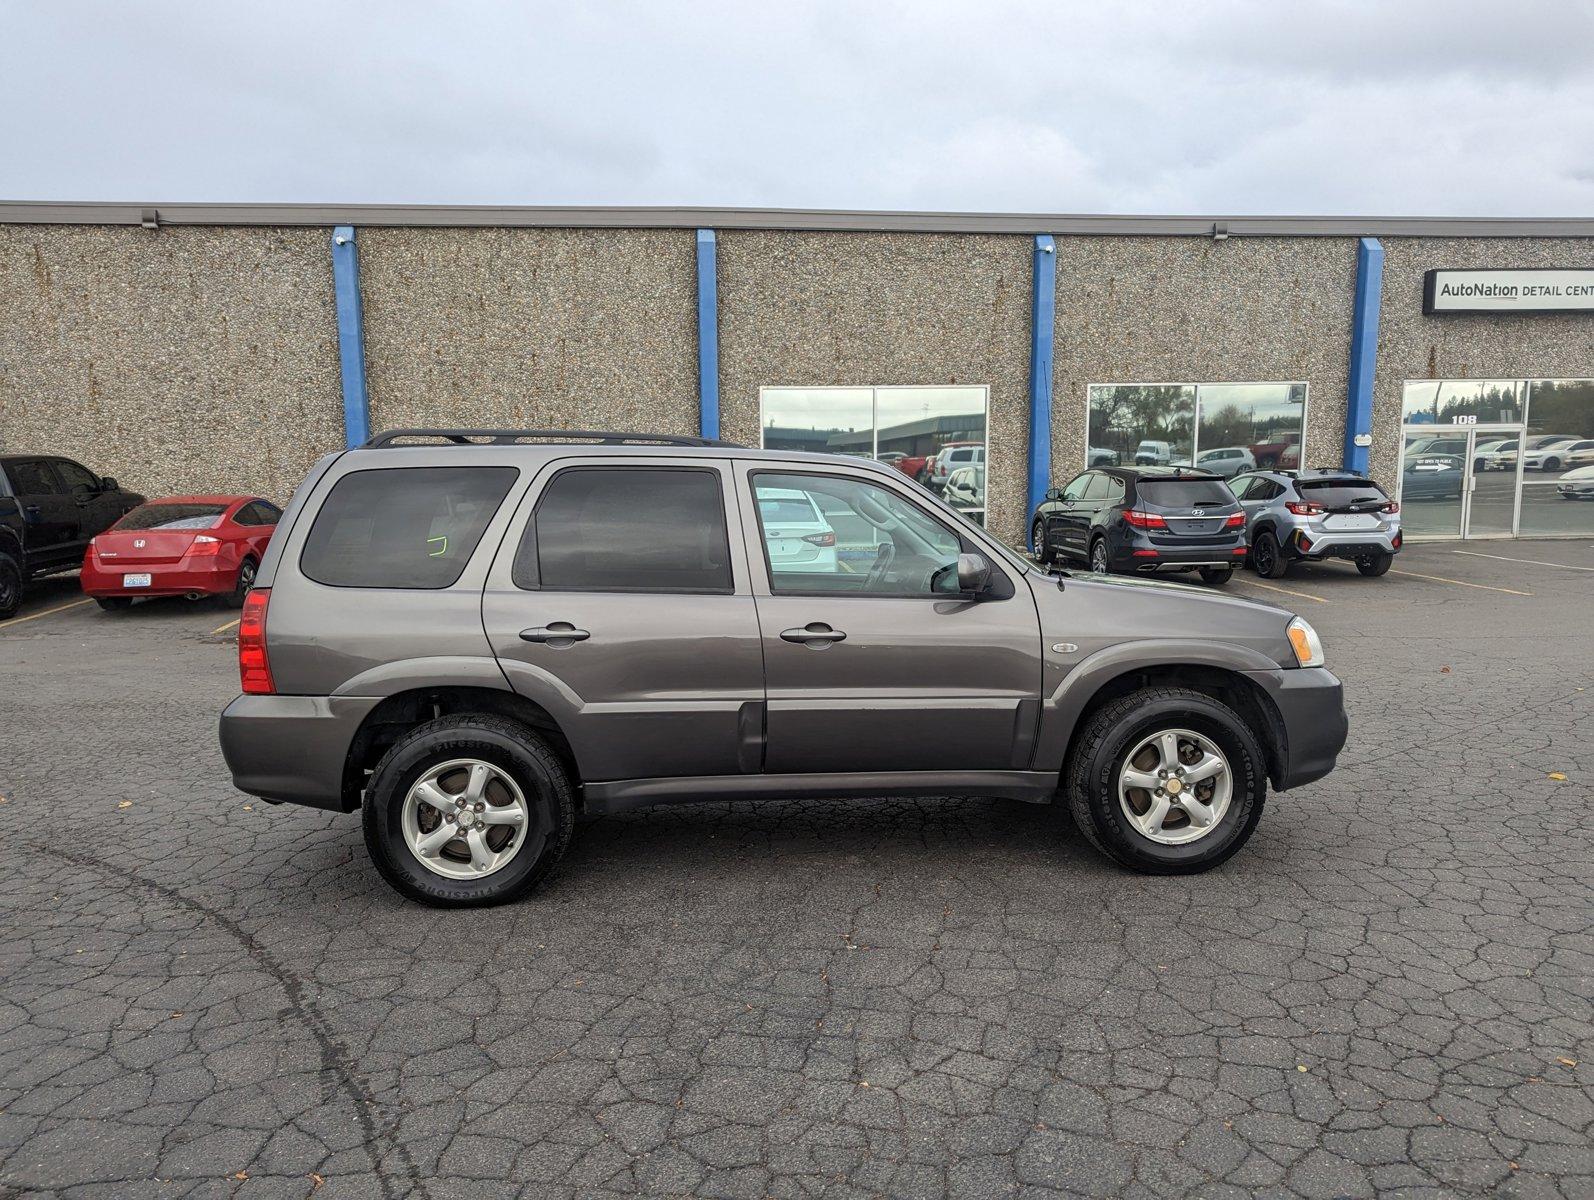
<point x="816" y="635"/>
<point x="559" y="633"/>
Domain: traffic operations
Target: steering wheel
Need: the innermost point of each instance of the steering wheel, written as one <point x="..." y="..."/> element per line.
<point x="885" y="555"/>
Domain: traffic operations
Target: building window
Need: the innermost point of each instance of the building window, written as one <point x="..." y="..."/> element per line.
<point x="1226" y="428"/>
<point x="930" y="434"/>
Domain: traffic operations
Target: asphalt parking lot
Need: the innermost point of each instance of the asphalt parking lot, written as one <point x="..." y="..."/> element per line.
<point x="1390" y="991"/>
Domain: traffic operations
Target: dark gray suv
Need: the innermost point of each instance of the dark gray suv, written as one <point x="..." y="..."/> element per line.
<point x="473" y="635"/>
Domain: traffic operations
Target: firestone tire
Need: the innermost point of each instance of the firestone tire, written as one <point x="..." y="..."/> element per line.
<point x="10" y="587"/>
<point x="507" y="746"/>
<point x="1101" y="751"/>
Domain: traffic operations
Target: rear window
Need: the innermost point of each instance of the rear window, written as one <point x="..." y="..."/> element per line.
<point x="628" y="529"/>
<point x="408" y="527"/>
<point x="1340" y="493"/>
<point x="792" y="511"/>
<point x="1179" y="493"/>
<point x="173" y="516"/>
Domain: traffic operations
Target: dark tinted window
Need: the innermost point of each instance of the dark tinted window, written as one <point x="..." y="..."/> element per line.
<point x="628" y="529"/>
<point x="1115" y="489"/>
<point x="258" y="512"/>
<point x="75" y="476"/>
<point x="1180" y="493"/>
<point x="410" y="527"/>
<point x="173" y="516"/>
<point x="1340" y="493"/>
<point x="32" y="478"/>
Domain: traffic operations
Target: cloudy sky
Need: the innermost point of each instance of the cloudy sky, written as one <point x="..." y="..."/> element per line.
<point x="1412" y="107"/>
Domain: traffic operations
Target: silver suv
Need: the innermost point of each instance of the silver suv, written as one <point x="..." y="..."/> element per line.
<point x="1293" y="516"/>
<point x="471" y="636"/>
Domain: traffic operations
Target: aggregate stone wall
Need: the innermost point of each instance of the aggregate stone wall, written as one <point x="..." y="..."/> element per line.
<point x="1194" y="310"/>
<point x="177" y="359"/>
<point x="531" y="328"/>
<point x="876" y="309"/>
<point x="1469" y="345"/>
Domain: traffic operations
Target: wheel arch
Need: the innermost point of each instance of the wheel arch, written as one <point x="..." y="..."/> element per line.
<point x="402" y="711"/>
<point x="1217" y="675"/>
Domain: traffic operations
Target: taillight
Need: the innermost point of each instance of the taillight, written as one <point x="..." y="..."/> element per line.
<point x="204" y="544"/>
<point x="1144" y="520"/>
<point x="1235" y="521"/>
<point x="820" y="539"/>
<point x="1392" y="507"/>
<point x="1304" y="508"/>
<point x="254" y="669"/>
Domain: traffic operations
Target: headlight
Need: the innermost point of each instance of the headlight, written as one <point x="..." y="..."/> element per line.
<point x="1307" y="645"/>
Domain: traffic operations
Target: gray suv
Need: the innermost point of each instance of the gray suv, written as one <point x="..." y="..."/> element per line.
<point x="1296" y="516"/>
<point x="472" y="636"/>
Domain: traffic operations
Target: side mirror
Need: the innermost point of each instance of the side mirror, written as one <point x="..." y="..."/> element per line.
<point x="107" y="484"/>
<point x="1053" y="494"/>
<point x="974" y="574"/>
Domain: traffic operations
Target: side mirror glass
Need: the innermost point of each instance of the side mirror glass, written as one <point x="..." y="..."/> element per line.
<point x="974" y="574"/>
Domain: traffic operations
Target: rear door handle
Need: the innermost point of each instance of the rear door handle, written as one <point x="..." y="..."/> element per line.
<point x="560" y="631"/>
<point x="815" y="634"/>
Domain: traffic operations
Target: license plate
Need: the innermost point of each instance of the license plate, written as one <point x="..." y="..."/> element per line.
<point x="135" y="580"/>
<point x="1351" y="521"/>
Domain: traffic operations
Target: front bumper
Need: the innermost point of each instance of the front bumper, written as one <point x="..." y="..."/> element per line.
<point x="292" y="748"/>
<point x="1311" y="707"/>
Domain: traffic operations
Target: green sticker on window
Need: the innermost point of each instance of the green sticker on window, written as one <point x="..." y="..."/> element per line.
<point x="441" y="542"/>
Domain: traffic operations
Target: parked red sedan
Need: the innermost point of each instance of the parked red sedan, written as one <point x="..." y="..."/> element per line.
<point x="190" y="546"/>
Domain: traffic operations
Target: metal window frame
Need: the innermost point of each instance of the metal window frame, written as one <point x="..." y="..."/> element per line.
<point x="874" y="410"/>
<point x="1195" y="429"/>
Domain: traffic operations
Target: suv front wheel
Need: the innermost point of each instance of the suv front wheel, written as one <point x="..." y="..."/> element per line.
<point x="468" y="810"/>
<point x="1167" y="781"/>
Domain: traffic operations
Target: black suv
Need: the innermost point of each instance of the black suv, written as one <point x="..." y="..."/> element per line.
<point x="1143" y="519"/>
<point x="49" y="509"/>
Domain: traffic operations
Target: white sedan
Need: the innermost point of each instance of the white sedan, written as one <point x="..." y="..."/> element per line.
<point x="1577" y="484"/>
<point x="796" y="534"/>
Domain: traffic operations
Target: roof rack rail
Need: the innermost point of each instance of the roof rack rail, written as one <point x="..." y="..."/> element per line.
<point x="511" y="437"/>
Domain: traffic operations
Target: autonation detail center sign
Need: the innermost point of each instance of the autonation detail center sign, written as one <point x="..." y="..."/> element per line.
<point x="1531" y="290"/>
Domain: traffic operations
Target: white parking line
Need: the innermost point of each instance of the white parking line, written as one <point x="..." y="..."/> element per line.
<point x="226" y="627"/>
<point x="1270" y="587"/>
<point x="1537" y="562"/>
<point x="47" y="612"/>
<point x="1461" y="583"/>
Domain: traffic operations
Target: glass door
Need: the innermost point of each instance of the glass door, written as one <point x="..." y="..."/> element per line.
<point x="1459" y="483"/>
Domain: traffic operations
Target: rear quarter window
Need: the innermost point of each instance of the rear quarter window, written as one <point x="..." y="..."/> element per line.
<point x="1181" y="493"/>
<point x="403" y="527"/>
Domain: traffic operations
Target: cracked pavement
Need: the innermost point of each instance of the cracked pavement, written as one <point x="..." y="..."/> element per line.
<point x="1389" y="991"/>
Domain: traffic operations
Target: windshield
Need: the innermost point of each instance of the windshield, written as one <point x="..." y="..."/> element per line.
<point x="173" y="516"/>
<point x="1177" y="493"/>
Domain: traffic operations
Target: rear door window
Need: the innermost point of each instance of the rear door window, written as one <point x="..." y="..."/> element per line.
<point x="405" y="527"/>
<point x="630" y="529"/>
<point x="32" y="477"/>
<point x="1183" y="493"/>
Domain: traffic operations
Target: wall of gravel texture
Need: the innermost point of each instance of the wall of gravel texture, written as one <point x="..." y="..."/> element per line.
<point x="177" y="360"/>
<point x="812" y="309"/>
<point x="526" y="328"/>
<point x="1467" y="345"/>
<point x="1193" y="310"/>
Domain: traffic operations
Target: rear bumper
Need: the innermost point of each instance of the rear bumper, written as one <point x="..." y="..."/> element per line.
<point x="1350" y="543"/>
<point x="165" y="579"/>
<point x="1311" y="705"/>
<point x="1141" y="555"/>
<point x="292" y="748"/>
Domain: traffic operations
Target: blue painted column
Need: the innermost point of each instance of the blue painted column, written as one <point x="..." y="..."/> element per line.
<point x="1363" y="352"/>
<point x="1043" y="312"/>
<point x="708" y="336"/>
<point x="351" y="336"/>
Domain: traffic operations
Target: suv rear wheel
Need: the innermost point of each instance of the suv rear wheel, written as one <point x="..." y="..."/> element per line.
<point x="1374" y="564"/>
<point x="468" y="810"/>
<point x="1267" y="560"/>
<point x="1167" y="781"/>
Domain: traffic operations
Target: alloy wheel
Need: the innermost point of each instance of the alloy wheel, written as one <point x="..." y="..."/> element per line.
<point x="1098" y="558"/>
<point x="1174" y="787"/>
<point x="465" y="819"/>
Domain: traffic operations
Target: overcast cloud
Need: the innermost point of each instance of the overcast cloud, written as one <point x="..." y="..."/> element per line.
<point x="1401" y="108"/>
